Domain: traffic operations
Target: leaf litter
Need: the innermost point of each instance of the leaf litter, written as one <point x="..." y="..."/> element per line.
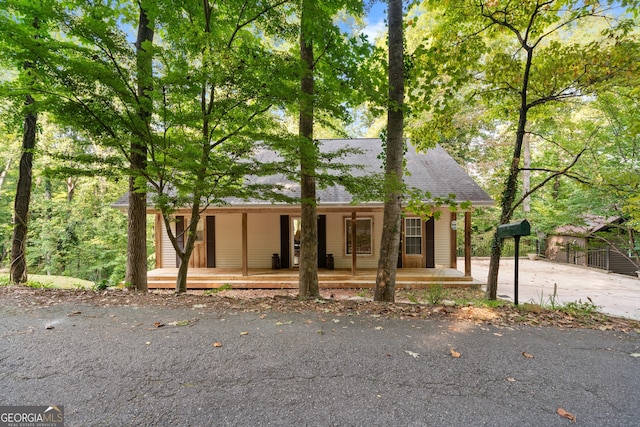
<point x="284" y="301"/>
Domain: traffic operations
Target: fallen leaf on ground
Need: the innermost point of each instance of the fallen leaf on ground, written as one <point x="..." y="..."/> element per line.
<point x="288" y="322"/>
<point x="180" y="323"/>
<point x="511" y="380"/>
<point x="454" y="353"/>
<point x="158" y="324"/>
<point x="412" y="354"/>
<point x="566" y="414"/>
<point x="217" y="344"/>
<point x="527" y="355"/>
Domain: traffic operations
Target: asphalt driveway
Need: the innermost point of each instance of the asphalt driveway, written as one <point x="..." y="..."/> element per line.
<point x="117" y="366"/>
<point x="616" y="294"/>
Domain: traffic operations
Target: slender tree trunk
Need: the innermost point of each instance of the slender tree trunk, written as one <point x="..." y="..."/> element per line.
<point x="185" y="254"/>
<point x="136" y="272"/>
<point x="526" y="174"/>
<point x="3" y="175"/>
<point x="308" y="278"/>
<point x="18" y="270"/>
<point x="71" y="188"/>
<point x="511" y="184"/>
<point x="388" y="261"/>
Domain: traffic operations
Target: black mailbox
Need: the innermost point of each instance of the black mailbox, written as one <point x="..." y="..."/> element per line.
<point x="519" y="228"/>
<point x="515" y="230"/>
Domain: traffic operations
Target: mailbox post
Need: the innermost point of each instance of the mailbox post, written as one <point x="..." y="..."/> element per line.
<point x="515" y="230"/>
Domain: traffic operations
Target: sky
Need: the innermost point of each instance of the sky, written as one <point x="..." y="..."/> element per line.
<point x="376" y="20"/>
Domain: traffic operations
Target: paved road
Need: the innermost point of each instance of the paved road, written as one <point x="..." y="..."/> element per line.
<point x="112" y="367"/>
<point x="617" y="294"/>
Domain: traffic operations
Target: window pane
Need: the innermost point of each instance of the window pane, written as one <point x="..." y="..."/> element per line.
<point x="413" y="246"/>
<point x="363" y="236"/>
<point x="413" y="236"/>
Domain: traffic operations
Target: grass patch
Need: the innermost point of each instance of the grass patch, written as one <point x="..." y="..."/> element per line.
<point x="579" y="309"/>
<point x="213" y="291"/>
<point x="39" y="281"/>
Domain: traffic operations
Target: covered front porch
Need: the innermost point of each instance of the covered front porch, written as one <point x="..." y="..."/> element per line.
<point x="210" y="278"/>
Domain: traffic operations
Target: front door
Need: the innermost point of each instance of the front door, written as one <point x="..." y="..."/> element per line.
<point x="296" y="229"/>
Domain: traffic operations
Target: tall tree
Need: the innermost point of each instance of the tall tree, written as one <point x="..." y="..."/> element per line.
<point x="308" y="278"/>
<point x="88" y="80"/>
<point x="22" y="34"/>
<point x="218" y="85"/>
<point x="389" y="245"/>
<point x="136" y="272"/>
<point x="18" y="270"/>
<point x="517" y="59"/>
<point x="330" y="81"/>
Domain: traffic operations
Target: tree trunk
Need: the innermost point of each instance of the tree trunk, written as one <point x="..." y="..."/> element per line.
<point x="308" y="278"/>
<point x="511" y="184"/>
<point x="388" y="261"/>
<point x="71" y="188"/>
<point x="18" y="270"/>
<point x="136" y="272"/>
<point x="185" y="254"/>
<point x="526" y="174"/>
<point x="3" y="175"/>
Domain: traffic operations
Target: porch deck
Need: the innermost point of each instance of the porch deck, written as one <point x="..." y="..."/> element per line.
<point x="208" y="278"/>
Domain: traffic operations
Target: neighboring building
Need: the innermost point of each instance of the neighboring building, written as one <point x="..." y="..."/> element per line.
<point x="246" y="234"/>
<point x="581" y="245"/>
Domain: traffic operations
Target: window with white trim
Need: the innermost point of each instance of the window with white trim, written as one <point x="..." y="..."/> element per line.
<point x="364" y="231"/>
<point x="413" y="236"/>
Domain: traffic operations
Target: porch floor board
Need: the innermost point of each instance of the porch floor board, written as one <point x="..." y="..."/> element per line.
<point x="208" y="278"/>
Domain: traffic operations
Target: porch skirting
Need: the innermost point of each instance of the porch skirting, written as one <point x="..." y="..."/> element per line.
<point x="209" y="278"/>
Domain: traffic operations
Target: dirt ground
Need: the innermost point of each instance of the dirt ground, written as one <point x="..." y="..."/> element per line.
<point x="458" y="305"/>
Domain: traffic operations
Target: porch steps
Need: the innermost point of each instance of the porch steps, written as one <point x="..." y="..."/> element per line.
<point x="288" y="279"/>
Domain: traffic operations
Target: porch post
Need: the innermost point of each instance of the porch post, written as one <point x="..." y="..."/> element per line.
<point x="453" y="241"/>
<point x="354" y="250"/>
<point x="467" y="244"/>
<point x="245" y="258"/>
<point x="158" y="238"/>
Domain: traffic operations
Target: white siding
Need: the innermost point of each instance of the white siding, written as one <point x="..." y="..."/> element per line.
<point x="168" y="253"/>
<point x="229" y="240"/>
<point x="442" y="239"/>
<point x="263" y="238"/>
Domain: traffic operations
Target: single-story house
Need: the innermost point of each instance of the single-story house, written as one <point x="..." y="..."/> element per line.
<point x="258" y="235"/>
<point x="580" y="244"/>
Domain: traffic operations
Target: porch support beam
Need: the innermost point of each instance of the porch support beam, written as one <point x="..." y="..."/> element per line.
<point x="467" y="244"/>
<point x="245" y="256"/>
<point x="158" y="240"/>
<point x="453" y="241"/>
<point x="354" y="250"/>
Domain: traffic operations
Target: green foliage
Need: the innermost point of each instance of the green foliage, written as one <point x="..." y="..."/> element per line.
<point x="39" y="285"/>
<point x="436" y="293"/>
<point x="579" y="309"/>
<point x="213" y="291"/>
<point x="83" y="237"/>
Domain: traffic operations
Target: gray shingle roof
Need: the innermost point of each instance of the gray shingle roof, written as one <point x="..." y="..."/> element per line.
<point x="434" y="171"/>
